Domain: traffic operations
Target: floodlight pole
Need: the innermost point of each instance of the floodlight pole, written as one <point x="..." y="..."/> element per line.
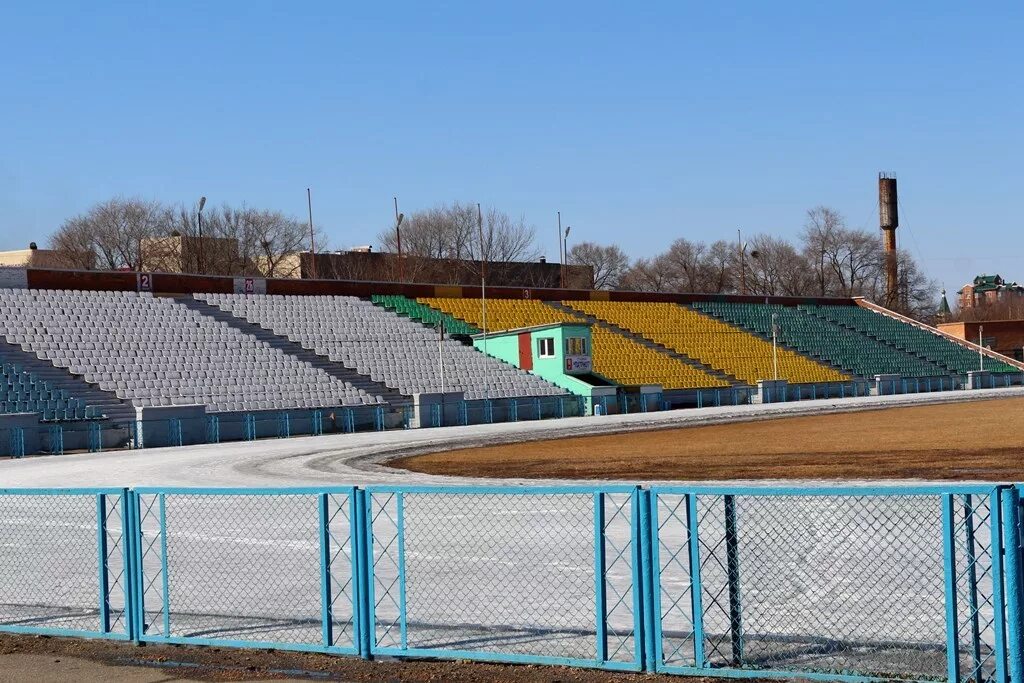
<point x="398" y="236"/>
<point x="312" y="246"/>
<point x="199" y="216"/>
<point x="483" y="284"/>
<point x="565" y="252"/>
<point x="561" y="255"/>
<point x="743" y="262"/>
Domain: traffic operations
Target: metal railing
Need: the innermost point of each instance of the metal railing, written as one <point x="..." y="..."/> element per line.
<point x="837" y="583"/>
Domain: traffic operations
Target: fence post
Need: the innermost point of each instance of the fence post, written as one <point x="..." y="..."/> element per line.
<point x="464" y="412"/>
<point x="735" y="599"/>
<point x="536" y="405"/>
<point x="364" y="574"/>
<point x="648" y="534"/>
<point x="403" y="626"/>
<point x="326" y="609"/>
<point x="972" y="584"/>
<point x="637" y="559"/>
<point x="488" y="411"/>
<point x="696" y="586"/>
<point x="600" y="602"/>
<point x="1010" y="503"/>
<point x="998" y="604"/>
<point x="952" y="630"/>
<point x="284" y="425"/>
<point x="132" y="528"/>
<point x="101" y="548"/>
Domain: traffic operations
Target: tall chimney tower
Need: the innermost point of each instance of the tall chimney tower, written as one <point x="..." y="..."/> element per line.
<point x="889" y="220"/>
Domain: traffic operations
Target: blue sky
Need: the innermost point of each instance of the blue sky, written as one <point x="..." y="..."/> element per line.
<point x="641" y="124"/>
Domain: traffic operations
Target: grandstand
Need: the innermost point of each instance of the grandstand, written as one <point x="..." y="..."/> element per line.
<point x="101" y="347"/>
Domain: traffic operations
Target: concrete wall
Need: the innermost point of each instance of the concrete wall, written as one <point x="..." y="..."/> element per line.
<point x="1003" y="336"/>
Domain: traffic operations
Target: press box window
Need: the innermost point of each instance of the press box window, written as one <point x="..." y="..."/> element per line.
<point x="576" y="346"/>
<point x="546" y="347"/>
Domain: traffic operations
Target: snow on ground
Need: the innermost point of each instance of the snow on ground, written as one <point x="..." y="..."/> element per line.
<point x="356" y="459"/>
<point x="853" y="583"/>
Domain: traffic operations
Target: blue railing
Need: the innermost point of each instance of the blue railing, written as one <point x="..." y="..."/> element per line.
<point x="842" y="583"/>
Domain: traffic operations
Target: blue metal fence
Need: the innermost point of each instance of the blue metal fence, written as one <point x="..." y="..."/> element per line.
<point x="850" y="583"/>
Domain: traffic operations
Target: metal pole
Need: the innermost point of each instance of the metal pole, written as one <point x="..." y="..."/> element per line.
<point x="199" y="263"/>
<point x="312" y="246"/>
<point x="398" y="234"/>
<point x="565" y="253"/>
<point x="743" y="262"/>
<point x="483" y="287"/>
<point x="561" y="256"/>
<point x="775" y="344"/>
<point x="440" y="362"/>
<point x="981" y="352"/>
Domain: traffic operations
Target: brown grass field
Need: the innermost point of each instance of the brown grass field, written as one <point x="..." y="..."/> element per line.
<point x="975" y="440"/>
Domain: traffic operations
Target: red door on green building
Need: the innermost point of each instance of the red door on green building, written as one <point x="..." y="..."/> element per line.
<point x="525" y="351"/>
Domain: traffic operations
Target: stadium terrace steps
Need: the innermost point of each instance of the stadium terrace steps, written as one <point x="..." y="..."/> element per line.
<point x="909" y="338"/>
<point x="96" y="401"/>
<point x="710" y="341"/>
<point x="154" y="351"/>
<point x="285" y="345"/>
<point x="422" y="313"/>
<point x="616" y="357"/>
<point x="644" y="341"/>
<point x="821" y="339"/>
<point x="392" y="349"/>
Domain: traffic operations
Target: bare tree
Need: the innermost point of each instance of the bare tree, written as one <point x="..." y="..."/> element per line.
<point x="776" y="268"/>
<point x="113" y="231"/>
<point x="609" y="262"/>
<point x="820" y="236"/>
<point x="451" y="232"/>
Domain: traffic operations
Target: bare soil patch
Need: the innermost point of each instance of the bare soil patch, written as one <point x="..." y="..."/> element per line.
<point x="46" y="659"/>
<point x="955" y="441"/>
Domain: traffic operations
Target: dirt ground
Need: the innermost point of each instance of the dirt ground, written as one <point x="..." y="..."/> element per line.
<point x="45" y="660"/>
<point x="975" y="440"/>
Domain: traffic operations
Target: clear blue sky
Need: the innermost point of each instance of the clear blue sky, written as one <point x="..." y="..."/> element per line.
<point x="641" y="124"/>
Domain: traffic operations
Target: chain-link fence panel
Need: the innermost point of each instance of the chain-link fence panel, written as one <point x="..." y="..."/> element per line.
<point x="863" y="583"/>
<point x="521" y="574"/>
<point x="62" y="562"/>
<point x="267" y="567"/>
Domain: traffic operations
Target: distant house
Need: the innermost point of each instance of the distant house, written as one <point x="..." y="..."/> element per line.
<point x="987" y="290"/>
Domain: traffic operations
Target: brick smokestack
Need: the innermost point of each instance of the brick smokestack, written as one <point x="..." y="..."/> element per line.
<point x="889" y="220"/>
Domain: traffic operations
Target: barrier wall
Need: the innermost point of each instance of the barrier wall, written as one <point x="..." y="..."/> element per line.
<point x="853" y="583"/>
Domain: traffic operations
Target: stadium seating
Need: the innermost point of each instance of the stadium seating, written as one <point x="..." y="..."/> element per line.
<point x="712" y="342"/>
<point x="154" y="351"/>
<point x="616" y="357"/>
<point x="388" y="348"/>
<point x="422" y="313"/>
<point x="23" y="392"/>
<point x="909" y="338"/>
<point x="819" y="338"/>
